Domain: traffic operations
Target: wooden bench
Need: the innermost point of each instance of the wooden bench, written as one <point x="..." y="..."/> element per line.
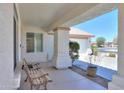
<point x="36" y="76"/>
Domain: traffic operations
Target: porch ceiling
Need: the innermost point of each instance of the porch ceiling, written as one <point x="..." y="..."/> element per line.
<point x="50" y="15"/>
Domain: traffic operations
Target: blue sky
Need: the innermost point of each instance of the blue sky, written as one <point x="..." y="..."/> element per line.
<point x="103" y="26"/>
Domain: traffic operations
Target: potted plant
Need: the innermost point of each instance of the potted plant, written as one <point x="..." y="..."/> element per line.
<point x="91" y="69"/>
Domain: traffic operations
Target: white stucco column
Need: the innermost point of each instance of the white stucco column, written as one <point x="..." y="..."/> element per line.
<point x="6" y="47"/>
<point x="61" y="48"/>
<point x="118" y="80"/>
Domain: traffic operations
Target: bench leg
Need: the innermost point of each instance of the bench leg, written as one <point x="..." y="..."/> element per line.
<point x="31" y="87"/>
<point x="45" y="87"/>
<point x="38" y="87"/>
<point x="26" y="79"/>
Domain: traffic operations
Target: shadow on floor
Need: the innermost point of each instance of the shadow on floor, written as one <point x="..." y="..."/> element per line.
<point x="104" y="75"/>
<point x="102" y="81"/>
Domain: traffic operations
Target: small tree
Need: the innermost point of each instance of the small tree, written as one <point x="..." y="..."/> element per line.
<point x="100" y="41"/>
<point x="73" y="50"/>
<point x="94" y="50"/>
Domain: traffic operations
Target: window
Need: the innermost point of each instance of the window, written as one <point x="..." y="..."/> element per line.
<point x="34" y="42"/>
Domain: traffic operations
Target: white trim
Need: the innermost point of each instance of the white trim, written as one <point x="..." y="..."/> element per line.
<point x="17" y="73"/>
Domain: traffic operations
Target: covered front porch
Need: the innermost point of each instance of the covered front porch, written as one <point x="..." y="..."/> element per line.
<point x="32" y="20"/>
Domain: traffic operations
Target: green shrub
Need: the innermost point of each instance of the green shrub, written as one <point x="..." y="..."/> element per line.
<point x="94" y="49"/>
<point x="112" y="55"/>
<point x="73" y="50"/>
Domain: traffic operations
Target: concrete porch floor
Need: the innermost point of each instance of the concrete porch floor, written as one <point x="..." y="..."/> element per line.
<point x="64" y="80"/>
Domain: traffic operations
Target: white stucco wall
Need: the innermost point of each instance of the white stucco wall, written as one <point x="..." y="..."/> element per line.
<point x="84" y="45"/>
<point x="6" y="47"/>
<point x="50" y="47"/>
<point x="34" y="56"/>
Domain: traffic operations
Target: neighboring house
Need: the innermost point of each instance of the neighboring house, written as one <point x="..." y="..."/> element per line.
<point x="34" y="39"/>
<point x="110" y="44"/>
<point x="83" y="39"/>
<point x="107" y="44"/>
<point x="93" y="44"/>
